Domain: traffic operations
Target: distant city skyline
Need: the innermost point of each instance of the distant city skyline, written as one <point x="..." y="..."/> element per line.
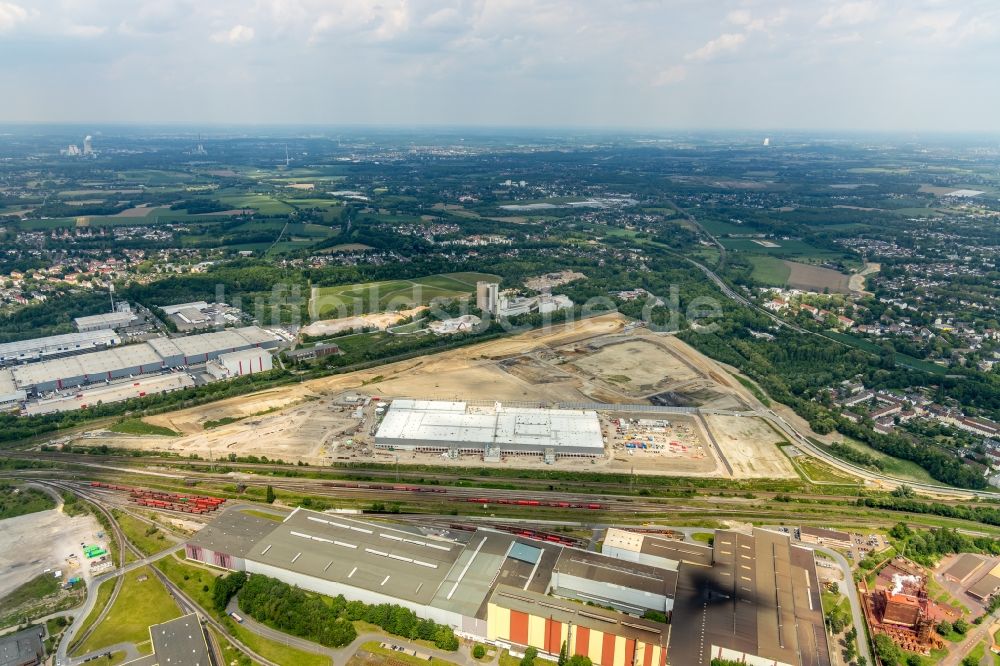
<point x="878" y="65"/>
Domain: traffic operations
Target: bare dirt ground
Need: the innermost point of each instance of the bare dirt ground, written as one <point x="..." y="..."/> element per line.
<point x="43" y="540"/>
<point x="137" y="211"/>
<point x="312" y="422"/>
<point x="749" y="445"/>
<point x="551" y="280"/>
<point x="857" y="282"/>
<point x="381" y="321"/>
<point x="816" y="278"/>
<point x="639" y="367"/>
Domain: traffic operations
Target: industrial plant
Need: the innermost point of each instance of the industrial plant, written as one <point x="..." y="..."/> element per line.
<point x="517" y="592"/>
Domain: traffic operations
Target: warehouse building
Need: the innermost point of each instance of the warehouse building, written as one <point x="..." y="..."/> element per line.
<point x="755" y="601"/>
<point x="654" y="550"/>
<point x="193" y="349"/>
<point x="136" y="360"/>
<point x="237" y="364"/>
<point x="759" y="603"/>
<point x="10" y="395"/>
<point x="519" y="618"/>
<point x="823" y="536"/>
<point x="437" y="426"/>
<point x="178" y="642"/>
<point x="26" y="351"/>
<point x="108" y="365"/>
<point x="106" y="321"/>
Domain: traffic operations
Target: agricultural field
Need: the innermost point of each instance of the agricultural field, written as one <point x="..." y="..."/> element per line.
<point x="817" y="278"/>
<point x="369" y="297"/>
<point x="770" y="271"/>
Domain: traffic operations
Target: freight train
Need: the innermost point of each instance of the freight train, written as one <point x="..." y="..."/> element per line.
<point x="168" y="501"/>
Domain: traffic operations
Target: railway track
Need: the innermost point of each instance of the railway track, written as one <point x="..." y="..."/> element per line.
<point x="185" y="603"/>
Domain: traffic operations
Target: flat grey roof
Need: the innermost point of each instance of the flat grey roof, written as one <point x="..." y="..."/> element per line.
<point x="601" y="568"/>
<point x="761" y="597"/>
<point x="456" y="422"/>
<point x="388" y="559"/>
<point x="93" y="364"/>
<point x="675" y="549"/>
<point x="180" y="642"/>
<point x="581" y="615"/>
<point x="54" y="342"/>
<point x="194" y="305"/>
<point x="22" y="647"/>
<point x="211" y="343"/>
<point x="232" y="532"/>
<point x="964" y="566"/>
<point x="7" y="386"/>
<point x="985" y="586"/>
<point x="106" y="318"/>
<point x="824" y="533"/>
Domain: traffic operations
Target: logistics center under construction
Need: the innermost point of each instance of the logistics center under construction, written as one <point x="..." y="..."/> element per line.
<point x="752" y="597"/>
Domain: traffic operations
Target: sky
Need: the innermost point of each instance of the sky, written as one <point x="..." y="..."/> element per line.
<point x="877" y="65"/>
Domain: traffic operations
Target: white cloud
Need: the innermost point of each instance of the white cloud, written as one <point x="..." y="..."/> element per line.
<point x="739" y="17"/>
<point x="235" y="35"/>
<point x="670" y="75"/>
<point x="850" y="13"/>
<point x="724" y="43"/>
<point x="11" y="15"/>
<point x="86" y="30"/>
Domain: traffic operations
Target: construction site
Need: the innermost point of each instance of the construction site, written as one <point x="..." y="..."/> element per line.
<point x="658" y="402"/>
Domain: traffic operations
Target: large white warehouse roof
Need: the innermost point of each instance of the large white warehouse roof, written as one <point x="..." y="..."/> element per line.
<point x="509" y="427"/>
<point x="92" y="365"/>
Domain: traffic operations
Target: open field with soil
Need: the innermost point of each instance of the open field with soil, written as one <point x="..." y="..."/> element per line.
<point x="816" y="278"/>
<point x="42" y="540"/>
<point x="751" y="447"/>
<point x="381" y="321"/>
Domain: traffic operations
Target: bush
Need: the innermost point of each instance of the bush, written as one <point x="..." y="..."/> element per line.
<point x="479" y="652"/>
<point x="225" y="588"/>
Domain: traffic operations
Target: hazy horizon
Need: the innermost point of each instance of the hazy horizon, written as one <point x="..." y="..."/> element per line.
<point x="638" y="65"/>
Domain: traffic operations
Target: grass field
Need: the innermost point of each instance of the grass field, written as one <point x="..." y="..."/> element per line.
<point x="368" y="297"/>
<point x="904" y="469"/>
<point x="16" y="500"/>
<point x="147" y="538"/>
<point x="140" y="427"/>
<point x="38" y="587"/>
<point x="786" y="248"/>
<point x="375" y="648"/>
<point x="769" y="271"/>
<point x="901" y="359"/>
<point x="265" y="204"/>
<point x="103" y="595"/>
<point x="140" y="604"/>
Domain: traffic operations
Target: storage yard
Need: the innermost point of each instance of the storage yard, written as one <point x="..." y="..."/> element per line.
<point x="46" y="540"/>
<point x="316" y="422"/>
